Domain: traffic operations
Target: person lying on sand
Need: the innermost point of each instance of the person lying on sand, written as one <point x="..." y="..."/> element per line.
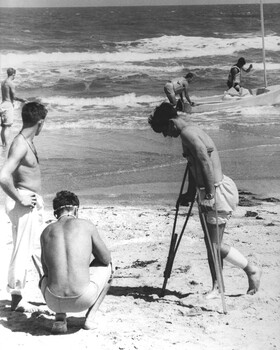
<point x="73" y="281"/>
<point x="216" y="193"/>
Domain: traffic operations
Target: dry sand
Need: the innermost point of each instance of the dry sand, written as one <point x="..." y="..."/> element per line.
<point x="133" y="316"/>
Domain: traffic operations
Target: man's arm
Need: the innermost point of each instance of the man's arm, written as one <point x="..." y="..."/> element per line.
<point x="202" y="160"/>
<point x="233" y="73"/>
<point x="205" y="164"/>
<point x="188" y="196"/>
<point x="13" y="94"/>
<point x="17" y="152"/>
<point x="186" y="91"/>
<point x="99" y="249"/>
<point x="248" y="69"/>
<point x="44" y="266"/>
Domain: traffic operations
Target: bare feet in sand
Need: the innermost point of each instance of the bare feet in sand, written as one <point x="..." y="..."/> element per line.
<point x="60" y="324"/>
<point x="59" y="327"/>
<point x="254" y="276"/>
<point x="19" y="305"/>
<point x="89" y="325"/>
<point x="90" y="321"/>
<point x="213" y="294"/>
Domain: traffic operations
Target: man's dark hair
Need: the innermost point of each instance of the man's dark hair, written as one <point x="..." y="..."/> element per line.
<point x="241" y="61"/>
<point x="32" y="112"/>
<point x="64" y="199"/>
<point x="159" y="120"/>
<point x="11" y="71"/>
<point x="189" y="75"/>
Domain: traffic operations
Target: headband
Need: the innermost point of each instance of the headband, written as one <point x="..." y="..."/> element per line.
<point x="65" y="206"/>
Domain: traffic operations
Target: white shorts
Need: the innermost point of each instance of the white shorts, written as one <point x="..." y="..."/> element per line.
<point x="99" y="276"/>
<point x="226" y="201"/>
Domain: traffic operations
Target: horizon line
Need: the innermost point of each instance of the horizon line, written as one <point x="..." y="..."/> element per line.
<point x="165" y="5"/>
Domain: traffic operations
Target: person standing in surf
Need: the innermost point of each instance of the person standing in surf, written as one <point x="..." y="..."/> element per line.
<point x="20" y="178"/>
<point x="234" y="77"/>
<point x="7" y="105"/>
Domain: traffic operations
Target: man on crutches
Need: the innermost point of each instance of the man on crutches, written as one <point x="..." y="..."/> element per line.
<point x="217" y="194"/>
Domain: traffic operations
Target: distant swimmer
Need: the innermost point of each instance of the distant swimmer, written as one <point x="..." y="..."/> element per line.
<point x="234" y="77"/>
<point x="179" y="86"/>
<point x="7" y="105"/>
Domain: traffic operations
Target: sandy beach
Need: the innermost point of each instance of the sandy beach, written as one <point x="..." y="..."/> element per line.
<point x="133" y="315"/>
<point x="100" y="71"/>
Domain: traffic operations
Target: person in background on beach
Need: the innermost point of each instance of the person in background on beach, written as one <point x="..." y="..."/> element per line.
<point x="179" y="86"/>
<point x="20" y="178"/>
<point x="7" y="105"/>
<point x="234" y="77"/>
<point x="76" y="263"/>
<point x="217" y="194"/>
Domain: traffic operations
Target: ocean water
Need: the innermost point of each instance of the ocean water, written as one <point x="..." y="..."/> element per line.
<point x="101" y="71"/>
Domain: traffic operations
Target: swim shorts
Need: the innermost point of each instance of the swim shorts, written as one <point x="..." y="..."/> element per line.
<point x="99" y="276"/>
<point x="226" y="201"/>
<point x="7" y="113"/>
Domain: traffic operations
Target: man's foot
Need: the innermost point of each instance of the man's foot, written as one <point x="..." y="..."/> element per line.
<point x="90" y="325"/>
<point x="89" y="321"/>
<point x="16" y="298"/>
<point x="59" y="327"/>
<point x="254" y="279"/>
<point x="60" y="324"/>
<point x="24" y="306"/>
<point x="213" y="294"/>
<point x="19" y="305"/>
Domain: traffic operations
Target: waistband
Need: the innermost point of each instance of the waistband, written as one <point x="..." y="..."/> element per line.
<point x="6" y="104"/>
<point x="216" y="184"/>
<point x="26" y="191"/>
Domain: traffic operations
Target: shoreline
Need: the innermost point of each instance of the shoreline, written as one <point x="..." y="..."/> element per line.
<point x="152" y="195"/>
<point x="149" y="195"/>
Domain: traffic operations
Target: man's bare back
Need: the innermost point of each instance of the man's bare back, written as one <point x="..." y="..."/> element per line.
<point x="7" y="90"/>
<point x="67" y="250"/>
<point x="73" y="281"/>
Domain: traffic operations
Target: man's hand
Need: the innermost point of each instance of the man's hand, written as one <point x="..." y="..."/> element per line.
<point x="192" y="104"/>
<point x="29" y="201"/>
<point x="185" y="199"/>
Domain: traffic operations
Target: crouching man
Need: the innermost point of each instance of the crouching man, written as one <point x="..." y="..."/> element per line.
<point x="76" y="263"/>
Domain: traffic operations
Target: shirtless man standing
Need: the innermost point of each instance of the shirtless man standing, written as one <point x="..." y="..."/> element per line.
<point x="76" y="263"/>
<point x="7" y="105"/>
<point x="20" y="178"/>
<point x="217" y="194"/>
